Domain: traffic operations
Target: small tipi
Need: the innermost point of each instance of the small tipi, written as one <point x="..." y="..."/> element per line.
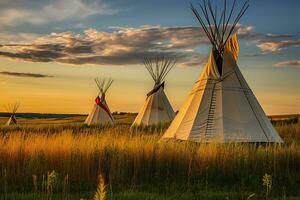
<point x="221" y="107"/>
<point x="157" y="108"/>
<point x="100" y="113"/>
<point x="12" y="109"/>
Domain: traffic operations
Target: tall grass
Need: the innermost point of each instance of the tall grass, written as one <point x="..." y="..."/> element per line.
<point x="289" y="132"/>
<point x="136" y="160"/>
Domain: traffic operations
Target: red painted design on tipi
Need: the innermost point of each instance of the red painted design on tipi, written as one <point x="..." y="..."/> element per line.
<point x="103" y="106"/>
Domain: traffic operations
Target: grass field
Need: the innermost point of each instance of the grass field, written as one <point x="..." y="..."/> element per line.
<point x="57" y="157"/>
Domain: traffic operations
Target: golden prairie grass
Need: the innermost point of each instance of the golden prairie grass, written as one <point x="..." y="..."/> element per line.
<point x="138" y="161"/>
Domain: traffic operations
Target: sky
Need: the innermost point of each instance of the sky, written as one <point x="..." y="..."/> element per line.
<point x="51" y="51"/>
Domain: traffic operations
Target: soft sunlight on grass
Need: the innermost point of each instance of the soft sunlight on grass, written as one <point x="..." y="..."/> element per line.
<point x="136" y="161"/>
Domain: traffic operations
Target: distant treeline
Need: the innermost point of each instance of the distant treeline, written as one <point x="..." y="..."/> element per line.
<point x="292" y="120"/>
<point x="123" y="113"/>
<point x="275" y="119"/>
<point x="39" y="115"/>
<point x="49" y="115"/>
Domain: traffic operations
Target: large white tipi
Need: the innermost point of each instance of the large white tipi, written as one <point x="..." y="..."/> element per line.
<point x="12" y="109"/>
<point x="100" y="113"/>
<point x="157" y="108"/>
<point x="221" y="107"/>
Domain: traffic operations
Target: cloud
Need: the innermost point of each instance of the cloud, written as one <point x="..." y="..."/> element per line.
<point x="123" y="46"/>
<point x="277" y="46"/>
<point x="271" y="35"/>
<point x="272" y="43"/>
<point x="40" y="12"/>
<point x="293" y="63"/>
<point x="31" y="75"/>
<point x="128" y="46"/>
<point x="6" y="37"/>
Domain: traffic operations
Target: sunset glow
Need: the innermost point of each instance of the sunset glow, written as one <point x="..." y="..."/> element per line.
<point x="50" y="53"/>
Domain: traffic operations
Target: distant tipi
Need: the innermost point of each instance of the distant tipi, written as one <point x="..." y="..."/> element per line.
<point x="221" y="107"/>
<point x="100" y="113"/>
<point x="157" y="108"/>
<point x="12" y="108"/>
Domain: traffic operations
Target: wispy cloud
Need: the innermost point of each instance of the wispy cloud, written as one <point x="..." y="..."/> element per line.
<point x="7" y="38"/>
<point x="288" y="63"/>
<point x="123" y="46"/>
<point x="31" y="75"/>
<point x="40" y="12"/>
<point x="277" y="46"/>
<point x="272" y="43"/>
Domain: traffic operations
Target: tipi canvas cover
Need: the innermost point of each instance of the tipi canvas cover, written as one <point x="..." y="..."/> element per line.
<point x="157" y="108"/>
<point x="221" y="107"/>
<point x="12" y="119"/>
<point x="100" y="113"/>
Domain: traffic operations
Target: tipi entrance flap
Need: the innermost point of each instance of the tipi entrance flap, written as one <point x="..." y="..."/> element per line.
<point x="211" y="69"/>
<point x="156" y="88"/>
<point x="232" y="47"/>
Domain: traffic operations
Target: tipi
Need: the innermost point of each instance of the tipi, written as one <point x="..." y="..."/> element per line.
<point x="12" y="109"/>
<point x="157" y="108"/>
<point x="221" y="107"/>
<point x="100" y="113"/>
